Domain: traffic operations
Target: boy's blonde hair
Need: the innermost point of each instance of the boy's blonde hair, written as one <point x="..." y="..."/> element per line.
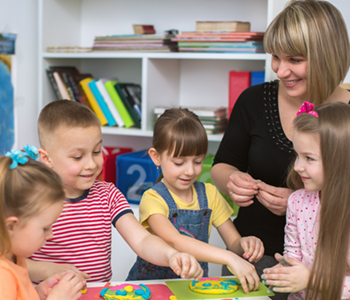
<point x="65" y="113"/>
<point x="24" y="192"/>
<point x="332" y="126"/>
<point x="315" y="30"/>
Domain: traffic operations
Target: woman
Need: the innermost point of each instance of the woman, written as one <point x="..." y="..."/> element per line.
<point x="310" y="51"/>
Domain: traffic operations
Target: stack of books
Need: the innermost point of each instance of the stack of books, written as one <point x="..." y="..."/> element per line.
<point x="220" y="37"/>
<point x="221" y="42"/>
<point x="214" y="119"/>
<point x="115" y="103"/>
<point x="135" y="42"/>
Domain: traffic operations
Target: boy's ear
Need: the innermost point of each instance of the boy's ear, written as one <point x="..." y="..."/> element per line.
<point x="154" y="156"/>
<point x="44" y="157"/>
<point x="11" y="223"/>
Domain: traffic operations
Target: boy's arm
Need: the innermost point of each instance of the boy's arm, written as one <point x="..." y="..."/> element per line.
<point x="40" y="270"/>
<point x="162" y="227"/>
<point x="153" y="249"/>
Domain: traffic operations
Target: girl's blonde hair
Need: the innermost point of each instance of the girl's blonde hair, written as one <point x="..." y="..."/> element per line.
<point x="25" y="191"/>
<point x="179" y="132"/>
<point x="315" y="30"/>
<point x="331" y="257"/>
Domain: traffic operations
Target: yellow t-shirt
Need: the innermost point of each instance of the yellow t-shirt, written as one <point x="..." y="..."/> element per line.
<point x="152" y="203"/>
<point x="14" y="281"/>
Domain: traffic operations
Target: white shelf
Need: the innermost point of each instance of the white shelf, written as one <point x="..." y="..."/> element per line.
<point x="167" y="79"/>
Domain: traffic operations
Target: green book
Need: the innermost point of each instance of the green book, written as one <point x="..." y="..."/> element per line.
<point x="119" y="104"/>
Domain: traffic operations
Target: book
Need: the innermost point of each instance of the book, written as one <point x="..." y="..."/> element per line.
<point x="79" y="94"/>
<point x="100" y="84"/>
<point x="257" y="77"/>
<point x="128" y="121"/>
<point x="94" y="105"/>
<point x="61" y="86"/>
<point x="201" y="112"/>
<point x="133" y="93"/>
<point x="143" y="29"/>
<point x="128" y="103"/>
<point x="101" y="102"/>
<point x="205" y="26"/>
<point x="238" y="82"/>
<point x="57" y="80"/>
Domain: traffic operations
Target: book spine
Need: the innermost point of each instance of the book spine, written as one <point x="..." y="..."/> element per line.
<point x="61" y="86"/>
<point x="68" y="85"/>
<point x="238" y="82"/>
<point x="258" y="77"/>
<point x="95" y="107"/>
<point x="53" y="84"/>
<point x="128" y="104"/>
<point x="101" y="103"/>
<point x="128" y="121"/>
<point x="109" y="102"/>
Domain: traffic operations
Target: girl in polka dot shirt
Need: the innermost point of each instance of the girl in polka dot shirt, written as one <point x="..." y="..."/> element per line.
<point x="316" y="251"/>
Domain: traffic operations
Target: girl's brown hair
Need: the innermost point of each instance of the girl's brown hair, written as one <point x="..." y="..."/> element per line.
<point x="315" y="30"/>
<point x="331" y="257"/>
<point x="25" y="191"/>
<point x="179" y="132"/>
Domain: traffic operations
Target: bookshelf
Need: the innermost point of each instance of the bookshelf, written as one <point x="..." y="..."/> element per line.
<point x="185" y="79"/>
<point x="167" y="79"/>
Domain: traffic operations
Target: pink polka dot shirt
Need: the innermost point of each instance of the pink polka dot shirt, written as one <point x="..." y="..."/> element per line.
<point x="301" y="232"/>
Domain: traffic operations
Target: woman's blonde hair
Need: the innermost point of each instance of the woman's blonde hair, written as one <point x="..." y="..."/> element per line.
<point x="332" y="126"/>
<point x="315" y="30"/>
<point x="24" y="191"/>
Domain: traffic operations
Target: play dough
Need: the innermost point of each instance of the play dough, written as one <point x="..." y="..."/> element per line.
<point x="217" y="286"/>
<point x="126" y="292"/>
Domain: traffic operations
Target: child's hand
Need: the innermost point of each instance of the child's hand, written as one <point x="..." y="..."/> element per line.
<point x="245" y="272"/>
<point x="68" y="288"/>
<point x="287" y="279"/>
<point x="253" y="248"/>
<point x="63" y="268"/>
<point x="186" y="266"/>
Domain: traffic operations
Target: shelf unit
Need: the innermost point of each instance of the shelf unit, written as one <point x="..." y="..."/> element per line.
<point x="173" y="79"/>
<point x="167" y="79"/>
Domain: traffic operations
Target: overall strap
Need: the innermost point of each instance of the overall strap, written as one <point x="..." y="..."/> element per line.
<point x="163" y="191"/>
<point x="201" y="194"/>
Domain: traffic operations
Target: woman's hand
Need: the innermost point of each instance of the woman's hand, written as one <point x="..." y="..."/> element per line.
<point x="253" y="248"/>
<point x="242" y="188"/>
<point x="273" y="198"/>
<point x="287" y="279"/>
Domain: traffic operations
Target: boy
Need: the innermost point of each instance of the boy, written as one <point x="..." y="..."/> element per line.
<point x="71" y="140"/>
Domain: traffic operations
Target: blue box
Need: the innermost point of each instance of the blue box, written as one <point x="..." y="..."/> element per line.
<point x="257" y="77"/>
<point x="136" y="173"/>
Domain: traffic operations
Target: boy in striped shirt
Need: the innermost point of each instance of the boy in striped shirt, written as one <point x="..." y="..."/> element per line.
<point x="71" y="140"/>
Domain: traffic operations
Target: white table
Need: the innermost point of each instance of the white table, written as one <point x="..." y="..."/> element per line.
<point x="98" y="284"/>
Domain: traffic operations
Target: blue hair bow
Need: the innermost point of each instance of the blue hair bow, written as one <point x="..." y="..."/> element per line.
<point x="20" y="157"/>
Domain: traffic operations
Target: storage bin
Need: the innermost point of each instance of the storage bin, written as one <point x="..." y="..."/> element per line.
<point x="109" y="172"/>
<point x="136" y="173"/>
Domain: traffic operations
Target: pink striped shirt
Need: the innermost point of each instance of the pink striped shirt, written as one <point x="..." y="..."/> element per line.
<point x="82" y="233"/>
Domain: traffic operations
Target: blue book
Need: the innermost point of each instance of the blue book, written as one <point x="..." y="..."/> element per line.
<point x="101" y="102"/>
<point x="257" y="77"/>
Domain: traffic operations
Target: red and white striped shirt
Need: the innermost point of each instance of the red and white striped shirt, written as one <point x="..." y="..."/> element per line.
<point x="82" y="233"/>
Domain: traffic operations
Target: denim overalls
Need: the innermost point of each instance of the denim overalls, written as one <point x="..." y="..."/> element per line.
<point x="192" y="223"/>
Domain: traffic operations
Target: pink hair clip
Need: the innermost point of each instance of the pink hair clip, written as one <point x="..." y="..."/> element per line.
<point x="307" y="107"/>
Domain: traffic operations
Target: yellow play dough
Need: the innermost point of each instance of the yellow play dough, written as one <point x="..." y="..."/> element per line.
<point x="214" y="286"/>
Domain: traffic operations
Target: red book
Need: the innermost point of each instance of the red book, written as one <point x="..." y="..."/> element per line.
<point x="238" y="82"/>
